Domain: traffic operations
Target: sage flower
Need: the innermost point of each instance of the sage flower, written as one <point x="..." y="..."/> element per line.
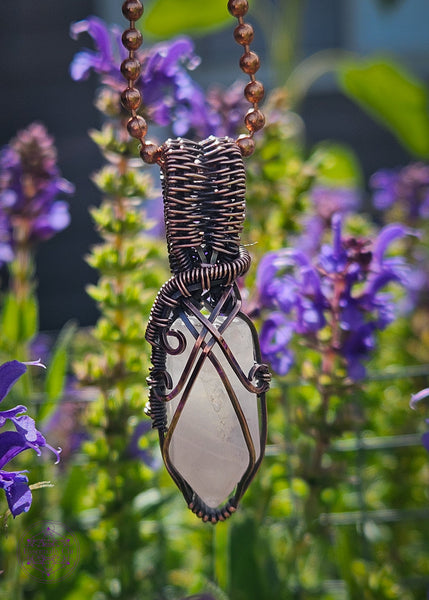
<point x="170" y="95"/>
<point x="407" y="188"/>
<point x="25" y="436"/>
<point x="326" y="201"/>
<point x="30" y="183"/>
<point x="341" y="288"/>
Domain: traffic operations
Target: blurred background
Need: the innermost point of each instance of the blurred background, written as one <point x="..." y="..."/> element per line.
<point x="36" y="51"/>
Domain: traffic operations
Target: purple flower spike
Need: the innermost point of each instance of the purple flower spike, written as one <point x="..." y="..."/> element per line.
<point x="25" y="437"/>
<point x="343" y="288"/>
<point x="171" y="97"/>
<point x="30" y="183"/>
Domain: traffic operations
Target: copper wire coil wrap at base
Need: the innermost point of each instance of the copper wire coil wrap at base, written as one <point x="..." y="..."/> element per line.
<point x="187" y="284"/>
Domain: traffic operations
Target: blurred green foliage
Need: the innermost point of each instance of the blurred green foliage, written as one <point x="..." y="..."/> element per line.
<point x="393" y="96"/>
<point x="167" y="18"/>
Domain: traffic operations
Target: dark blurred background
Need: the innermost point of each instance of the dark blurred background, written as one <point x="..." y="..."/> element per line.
<point x="36" y="50"/>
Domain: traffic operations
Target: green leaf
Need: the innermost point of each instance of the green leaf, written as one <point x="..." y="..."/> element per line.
<point x="29" y="318"/>
<point x="393" y="96"/>
<point x="252" y="569"/>
<point x="57" y="370"/>
<point x="244" y="574"/>
<point x="336" y="164"/>
<point x="10" y="320"/>
<point x="20" y="319"/>
<point x="167" y="18"/>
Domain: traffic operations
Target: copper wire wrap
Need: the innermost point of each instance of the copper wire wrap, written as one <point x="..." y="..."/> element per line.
<point x="204" y="208"/>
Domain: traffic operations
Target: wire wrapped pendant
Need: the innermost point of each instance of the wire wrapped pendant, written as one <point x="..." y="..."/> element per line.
<point x="207" y="383"/>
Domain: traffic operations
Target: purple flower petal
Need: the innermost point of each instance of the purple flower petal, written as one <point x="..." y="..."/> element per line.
<point x="11" y="413"/>
<point x="26" y="426"/>
<point x="276" y="333"/>
<point x="10" y="372"/>
<point x="265" y="278"/>
<point x="275" y="336"/>
<point x="52" y="221"/>
<point x="415" y="398"/>
<point x="359" y="343"/>
<point x="355" y="369"/>
<point x="425" y="440"/>
<point x="11" y="444"/>
<point x="82" y="64"/>
<point x="99" y="32"/>
<point x="18" y="494"/>
<point x="386" y="236"/>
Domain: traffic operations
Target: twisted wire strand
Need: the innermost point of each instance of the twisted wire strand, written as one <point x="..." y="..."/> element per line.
<point x="190" y="283"/>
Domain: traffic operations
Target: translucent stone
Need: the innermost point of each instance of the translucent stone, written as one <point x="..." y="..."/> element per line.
<point x="207" y="446"/>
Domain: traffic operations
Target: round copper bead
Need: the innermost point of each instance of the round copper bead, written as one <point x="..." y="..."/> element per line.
<point x="131" y="99"/>
<point x="246" y="145"/>
<point x="254" y="91"/>
<point x="132" y="9"/>
<point x="243" y="34"/>
<point x="254" y="120"/>
<point x="130" y="69"/>
<point x="132" y="39"/>
<point x="150" y="152"/>
<point x="238" y="8"/>
<point x="249" y="63"/>
<point x="137" y="127"/>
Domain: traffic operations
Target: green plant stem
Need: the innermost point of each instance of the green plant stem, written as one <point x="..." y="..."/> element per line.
<point x="323" y="430"/>
<point x="22" y="269"/>
<point x="119" y="317"/>
<point x="22" y="285"/>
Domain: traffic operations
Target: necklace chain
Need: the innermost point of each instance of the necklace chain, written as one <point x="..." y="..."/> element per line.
<point x="131" y="97"/>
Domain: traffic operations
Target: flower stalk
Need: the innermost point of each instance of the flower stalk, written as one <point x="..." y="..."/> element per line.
<point x="130" y="270"/>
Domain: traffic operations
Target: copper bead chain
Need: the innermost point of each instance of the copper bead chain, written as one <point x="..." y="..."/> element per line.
<point x="249" y="64"/>
<point x="130" y="68"/>
<point x="131" y="98"/>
